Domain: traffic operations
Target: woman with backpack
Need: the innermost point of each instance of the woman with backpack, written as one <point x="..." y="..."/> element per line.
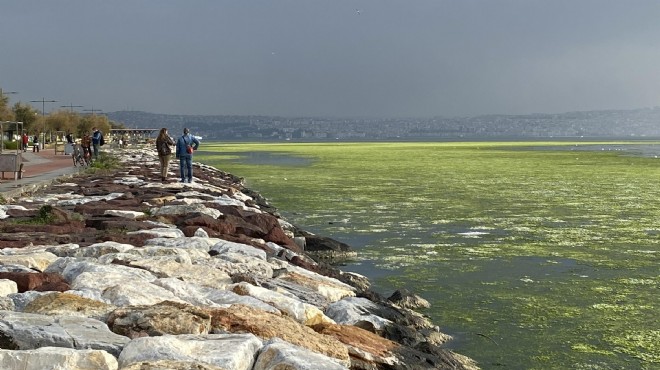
<point x="164" y="149"/>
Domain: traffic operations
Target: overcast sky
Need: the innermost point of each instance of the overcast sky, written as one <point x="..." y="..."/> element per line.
<point x="359" y="58"/>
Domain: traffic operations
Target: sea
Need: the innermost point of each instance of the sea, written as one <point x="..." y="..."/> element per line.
<point x="505" y="311"/>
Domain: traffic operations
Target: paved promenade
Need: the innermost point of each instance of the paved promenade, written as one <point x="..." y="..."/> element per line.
<point x="39" y="169"/>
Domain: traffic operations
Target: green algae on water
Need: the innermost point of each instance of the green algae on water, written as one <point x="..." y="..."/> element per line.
<point x="550" y="249"/>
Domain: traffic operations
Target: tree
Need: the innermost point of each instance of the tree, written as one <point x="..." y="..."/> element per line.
<point x="63" y="120"/>
<point x="5" y="113"/>
<point x="28" y="115"/>
<point x="101" y="122"/>
<point x="85" y="126"/>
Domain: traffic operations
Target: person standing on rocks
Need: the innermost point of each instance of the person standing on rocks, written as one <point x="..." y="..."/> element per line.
<point x="185" y="147"/>
<point x="164" y="149"/>
<point x="97" y="141"/>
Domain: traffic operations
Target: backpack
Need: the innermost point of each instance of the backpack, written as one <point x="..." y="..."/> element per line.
<point x="162" y="148"/>
<point x="101" y="140"/>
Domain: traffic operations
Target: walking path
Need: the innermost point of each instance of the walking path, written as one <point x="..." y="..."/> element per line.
<point x="39" y="169"/>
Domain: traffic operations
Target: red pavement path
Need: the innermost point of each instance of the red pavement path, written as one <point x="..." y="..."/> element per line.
<point x="38" y="169"/>
<point x="49" y="162"/>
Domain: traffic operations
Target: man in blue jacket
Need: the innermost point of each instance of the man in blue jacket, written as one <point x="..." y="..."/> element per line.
<point x="97" y="138"/>
<point x="185" y="146"/>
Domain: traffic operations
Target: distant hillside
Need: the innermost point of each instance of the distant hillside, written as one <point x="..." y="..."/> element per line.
<point x="606" y="123"/>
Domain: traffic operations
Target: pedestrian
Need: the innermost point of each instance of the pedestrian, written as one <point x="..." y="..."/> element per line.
<point x="25" y="139"/>
<point x="164" y="148"/>
<point x="97" y="141"/>
<point x="86" y="144"/>
<point x="35" y="144"/>
<point x="185" y="146"/>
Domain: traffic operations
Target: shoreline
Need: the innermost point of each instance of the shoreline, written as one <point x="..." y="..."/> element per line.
<point x="214" y="237"/>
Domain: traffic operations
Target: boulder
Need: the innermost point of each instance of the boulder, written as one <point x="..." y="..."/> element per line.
<point x="39" y="281"/>
<point x="7" y="287"/>
<point x="278" y="354"/>
<point x="67" y="304"/>
<point x="225" y="351"/>
<point x="406" y="299"/>
<point x="30" y="331"/>
<point x="265" y="325"/>
<point x="301" y="312"/>
<point x="57" y="358"/>
<point x="184" y="242"/>
<point x="159" y="319"/>
<point x="38" y="261"/>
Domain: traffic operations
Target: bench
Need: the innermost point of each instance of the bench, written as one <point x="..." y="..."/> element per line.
<point x="11" y="162"/>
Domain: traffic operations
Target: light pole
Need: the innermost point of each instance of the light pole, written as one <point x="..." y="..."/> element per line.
<point x="93" y="111"/>
<point x="2" y="93"/>
<point x="43" y="102"/>
<point x="71" y="106"/>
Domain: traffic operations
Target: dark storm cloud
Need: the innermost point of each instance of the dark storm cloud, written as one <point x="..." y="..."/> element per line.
<point x="339" y="58"/>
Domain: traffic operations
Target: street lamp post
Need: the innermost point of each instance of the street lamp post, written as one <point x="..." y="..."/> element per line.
<point x="43" y="102"/>
<point x="2" y="93"/>
<point x="71" y="106"/>
<point x="93" y="111"/>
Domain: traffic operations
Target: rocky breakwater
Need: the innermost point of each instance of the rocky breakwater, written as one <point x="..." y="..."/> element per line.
<point x="115" y="270"/>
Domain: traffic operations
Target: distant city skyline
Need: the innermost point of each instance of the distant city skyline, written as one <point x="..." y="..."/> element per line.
<point x="364" y="58"/>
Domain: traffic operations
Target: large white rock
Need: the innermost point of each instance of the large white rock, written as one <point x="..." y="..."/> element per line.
<point x="161" y="232"/>
<point x="57" y="358"/>
<point x="330" y="288"/>
<point x="83" y="200"/>
<point x="21" y="300"/>
<point x="204" y="296"/>
<point x="122" y="291"/>
<point x="15" y="268"/>
<point x="184" y="209"/>
<point x="70" y="268"/>
<point x="31" y="331"/>
<point x="301" y="312"/>
<point x="135" y="259"/>
<point x="6" y="207"/>
<point x="278" y="354"/>
<point x="7" y="287"/>
<point x="133" y="215"/>
<point x="225" y="246"/>
<point x="97" y="250"/>
<point x="129" y="180"/>
<point x="175" y="254"/>
<point x="156" y="251"/>
<point x="189" y="292"/>
<point x="192" y="242"/>
<point x="37" y="260"/>
<point x="202" y="274"/>
<point x="236" y="263"/>
<point x="227" y="351"/>
<point x="351" y="310"/>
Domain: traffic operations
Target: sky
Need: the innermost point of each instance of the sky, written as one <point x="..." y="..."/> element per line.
<point x="339" y="58"/>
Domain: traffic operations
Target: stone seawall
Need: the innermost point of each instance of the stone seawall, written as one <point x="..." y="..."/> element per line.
<point x="118" y="270"/>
